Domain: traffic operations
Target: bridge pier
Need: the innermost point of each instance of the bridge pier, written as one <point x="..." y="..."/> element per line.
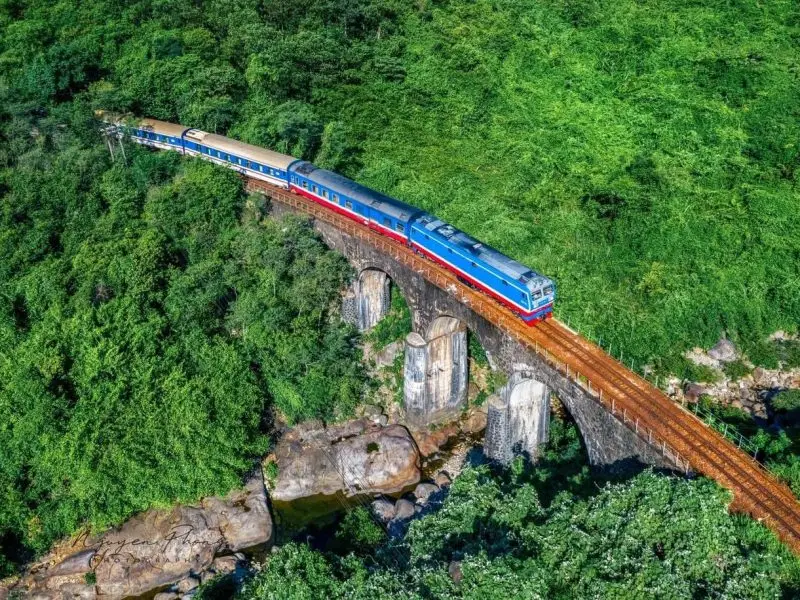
<point x="435" y="373"/>
<point x="369" y="299"/>
<point x="518" y="419"/>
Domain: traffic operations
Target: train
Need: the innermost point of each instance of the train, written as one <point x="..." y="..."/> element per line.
<point x="528" y="294"/>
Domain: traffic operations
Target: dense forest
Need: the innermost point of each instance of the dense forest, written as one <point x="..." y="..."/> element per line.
<point x="642" y="153"/>
<point x="549" y="532"/>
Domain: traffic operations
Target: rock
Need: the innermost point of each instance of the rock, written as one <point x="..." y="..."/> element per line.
<point x="724" y="351"/>
<point x="160" y="547"/>
<point x="694" y="391"/>
<point x="249" y="523"/>
<point x="475" y="422"/>
<point x="345" y="430"/>
<point x="81" y="562"/>
<point x="423" y="491"/>
<point x="387" y="356"/>
<point x="225" y="564"/>
<point x="429" y="442"/>
<point x="403" y="509"/>
<point x="165" y="596"/>
<point x="187" y="584"/>
<point x="454" y="570"/>
<point x="383" y="509"/>
<point x="382" y="420"/>
<point x="379" y="461"/>
<point x="78" y="591"/>
<point x="442" y="479"/>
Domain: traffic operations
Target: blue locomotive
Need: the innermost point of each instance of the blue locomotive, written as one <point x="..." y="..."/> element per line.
<point x="527" y="293"/>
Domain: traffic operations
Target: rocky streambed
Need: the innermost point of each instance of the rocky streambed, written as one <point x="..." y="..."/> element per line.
<point x="315" y="473"/>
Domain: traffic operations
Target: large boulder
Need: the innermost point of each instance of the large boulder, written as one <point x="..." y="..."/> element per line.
<point x="322" y="462"/>
<point x="157" y="548"/>
<point x="724" y="351"/>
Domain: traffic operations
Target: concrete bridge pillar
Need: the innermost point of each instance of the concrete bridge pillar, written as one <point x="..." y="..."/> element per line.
<point x="435" y="386"/>
<point x="518" y="420"/>
<point x="369" y="300"/>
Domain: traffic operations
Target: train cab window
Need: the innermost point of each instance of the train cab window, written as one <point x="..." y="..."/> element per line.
<point x="548" y="290"/>
<point x="537" y="294"/>
<point x="387" y="222"/>
<point x="348" y="204"/>
<point x="399" y="227"/>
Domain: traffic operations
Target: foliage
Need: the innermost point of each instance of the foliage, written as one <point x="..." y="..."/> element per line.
<point x="786" y="400"/>
<point x="650" y="536"/>
<point x="358" y="532"/>
<point x="271" y="472"/>
<point x="476" y="351"/>
<point x="736" y="370"/>
<point x="643" y="154"/>
<point x="778" y="446"/>
<point x="146" y="334"/>
<point x="395" y="325"/>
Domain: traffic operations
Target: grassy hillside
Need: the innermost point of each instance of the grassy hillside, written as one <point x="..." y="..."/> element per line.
<point x="644" y="154"/>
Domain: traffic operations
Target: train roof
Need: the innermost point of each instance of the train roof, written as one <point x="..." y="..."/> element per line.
<point x="241" y="149"/>
<point x="487" y="254"/>
<point x="360" y="193"/>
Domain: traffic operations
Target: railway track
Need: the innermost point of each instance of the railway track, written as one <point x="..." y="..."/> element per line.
<point x="679" y="435"/>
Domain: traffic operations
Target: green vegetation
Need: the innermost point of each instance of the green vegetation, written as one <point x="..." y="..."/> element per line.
<point x="778" y="446"/>
<point x="358" y="532"/>
<point x="395" y="325"/>
<point x="786" y="401"/>
<point x="147" y="334"/>
<point x="549" y="532"/>
<point x="736" y="370"/>
<point x="644" y="154"/>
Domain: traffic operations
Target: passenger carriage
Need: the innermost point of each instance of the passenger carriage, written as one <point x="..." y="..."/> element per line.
<point x="524" y="291"/>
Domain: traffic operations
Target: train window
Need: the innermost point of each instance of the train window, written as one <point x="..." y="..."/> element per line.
<point x="537" y="294"/>
<point x="548" y="290"/>
<point x="314" y="189"/>
<point x="399" y="227"/>
<point x="324" y="193"/>
<point x="348" y="204"/>
<point x="335" y="198"/>
<point x="305" y="185"/>
<point x="474" y="265"/>
<point x="387" y="222"/>
<point x="504" y="281"/>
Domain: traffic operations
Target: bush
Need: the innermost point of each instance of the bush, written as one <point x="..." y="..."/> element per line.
<point x="736" y="370"/>
<point x="786" y="401"/>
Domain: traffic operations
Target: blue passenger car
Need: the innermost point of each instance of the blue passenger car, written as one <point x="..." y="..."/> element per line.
<point x="382" y="213"/>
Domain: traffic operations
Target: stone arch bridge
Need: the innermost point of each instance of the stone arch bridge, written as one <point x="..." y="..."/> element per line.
<point x="436" y="370"/>
<point x="623" y="419"/>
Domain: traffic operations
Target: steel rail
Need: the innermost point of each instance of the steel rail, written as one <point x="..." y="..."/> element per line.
<point x="680" y="436"/>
